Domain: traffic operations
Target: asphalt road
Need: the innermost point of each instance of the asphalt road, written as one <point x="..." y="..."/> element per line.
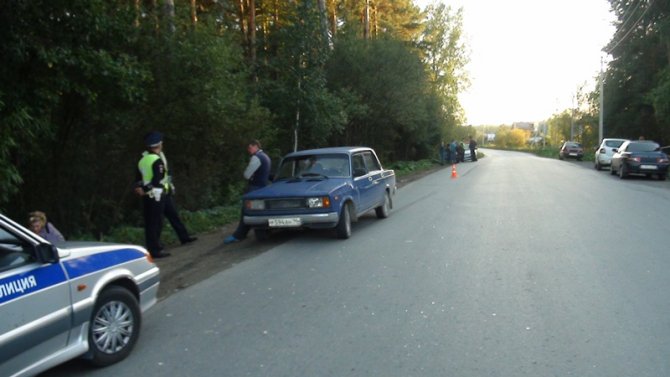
<point x="521" y="266"/>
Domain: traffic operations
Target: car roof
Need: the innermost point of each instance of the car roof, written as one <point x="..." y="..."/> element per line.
<point x="329" y="150"/>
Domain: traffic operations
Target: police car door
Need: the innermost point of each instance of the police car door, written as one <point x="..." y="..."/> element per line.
<point x="35" y="311"/>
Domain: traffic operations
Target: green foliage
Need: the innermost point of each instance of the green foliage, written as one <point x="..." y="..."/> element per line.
<point x="399" y="114"/>
<point x="195" y="221"/>
<point x="403" y="168"/>
<point x="635" y="84"/>
<point x="511" y="138"/>
<point x="82" y="81"/>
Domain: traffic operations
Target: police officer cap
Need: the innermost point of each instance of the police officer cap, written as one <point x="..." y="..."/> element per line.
<point x="153" y="139"/>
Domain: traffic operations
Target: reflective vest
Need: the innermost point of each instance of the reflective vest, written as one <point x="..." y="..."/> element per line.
<point x="146" y="169"/>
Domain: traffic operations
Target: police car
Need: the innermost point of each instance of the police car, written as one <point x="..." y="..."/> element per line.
<point x="69" y="300"/>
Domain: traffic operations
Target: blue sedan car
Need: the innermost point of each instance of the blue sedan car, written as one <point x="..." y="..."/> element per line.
<point x="322" y="188"/>
<point x="640" y="157"/>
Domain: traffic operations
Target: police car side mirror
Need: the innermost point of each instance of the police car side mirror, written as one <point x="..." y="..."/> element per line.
<point x="46" y="253"/>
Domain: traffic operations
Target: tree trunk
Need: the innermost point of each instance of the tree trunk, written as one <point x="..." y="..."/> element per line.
<point x="252" y="32"/>
<point x="323" y="12"/>
<point x="366" y="20"/>
<point x="168" y="13"/>
<point x="194" y="14"/>
<point x="241" y="19"/>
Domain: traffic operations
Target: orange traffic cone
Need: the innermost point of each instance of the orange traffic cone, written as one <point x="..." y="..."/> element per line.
<point x="454" y="175"/>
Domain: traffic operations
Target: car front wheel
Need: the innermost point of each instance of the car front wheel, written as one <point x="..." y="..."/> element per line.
<point x="115" y="326"/>
<point x="343" y="228"/>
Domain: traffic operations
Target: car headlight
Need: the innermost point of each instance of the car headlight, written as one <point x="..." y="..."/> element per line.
<point x="320" y="202"/>
<point x="254" y="204"/>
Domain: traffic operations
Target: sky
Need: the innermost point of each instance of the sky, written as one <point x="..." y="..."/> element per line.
<point x="529" y="57"/>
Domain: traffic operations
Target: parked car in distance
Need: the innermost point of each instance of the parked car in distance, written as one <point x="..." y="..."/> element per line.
<point x="74" y="299"/>
<point x="639" y="157"/>
<point x="571" y="149"/>
<point x="605" y="151"/>
<point x="321" y="188"/>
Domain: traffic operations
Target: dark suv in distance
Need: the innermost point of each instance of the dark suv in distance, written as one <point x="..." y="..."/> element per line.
<point x="640" y="157"/>
<point x="571" y="149"/>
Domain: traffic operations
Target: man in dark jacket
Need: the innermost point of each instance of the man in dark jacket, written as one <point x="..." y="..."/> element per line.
<point x="473" y="149"/>
<point x="257" y="175"/>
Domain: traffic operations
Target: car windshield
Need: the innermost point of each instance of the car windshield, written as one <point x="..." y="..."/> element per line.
<point x="573" y="145"/>
<point x="325" y="165"/>
<point x="642" y="147"/>
<point x="613" y="143"/>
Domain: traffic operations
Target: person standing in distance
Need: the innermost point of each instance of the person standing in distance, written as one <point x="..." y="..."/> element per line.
<point x="473" y="149"/>
<point x="155" y="188"/>
<point x="257" y="175"/>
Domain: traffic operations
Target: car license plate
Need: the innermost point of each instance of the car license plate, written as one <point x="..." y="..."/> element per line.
<point x="285" y="222"/>
<point x="573" y="154"/>
<point x="649" y="167"/>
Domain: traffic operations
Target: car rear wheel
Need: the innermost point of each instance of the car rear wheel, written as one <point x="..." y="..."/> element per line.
<point x="598" y="166"/>
<point x="382" y="211"/>
<point x="661" y="177"/>
<point x="343" y="228"/>
<point x="115" y="326"/>
<point x="612" y="170"/>
<point x="622" y="172"/>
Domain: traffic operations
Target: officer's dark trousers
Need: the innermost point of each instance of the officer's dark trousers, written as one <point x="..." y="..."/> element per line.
<point x="153" y="224"/>
<point x="171" y="214"/>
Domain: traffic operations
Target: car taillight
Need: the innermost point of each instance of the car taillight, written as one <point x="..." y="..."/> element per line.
<point x="602" y="150"/>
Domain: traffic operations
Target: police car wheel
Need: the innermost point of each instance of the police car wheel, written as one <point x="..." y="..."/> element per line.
<point x="115" y="326"/>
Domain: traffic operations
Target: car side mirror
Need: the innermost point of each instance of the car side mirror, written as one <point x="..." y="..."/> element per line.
<point x="615" y="150"/>
<point x="46" y="253"/>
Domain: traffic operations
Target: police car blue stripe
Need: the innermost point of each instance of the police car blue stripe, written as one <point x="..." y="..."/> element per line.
<point x="30" y="281"/>
<point x="96" y="262"/>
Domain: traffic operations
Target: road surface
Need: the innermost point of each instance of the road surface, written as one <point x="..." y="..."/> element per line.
<point x="521" y="266"/>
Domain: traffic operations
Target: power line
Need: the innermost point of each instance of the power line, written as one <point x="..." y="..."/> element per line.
<point x="632" y="27"/>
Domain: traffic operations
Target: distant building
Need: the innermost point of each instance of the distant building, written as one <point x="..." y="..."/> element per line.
<point x="528" y="126"/>
<point x="489" y="138"/>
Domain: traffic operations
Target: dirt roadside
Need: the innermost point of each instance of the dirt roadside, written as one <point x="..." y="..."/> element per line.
<point x="208" y="255"/>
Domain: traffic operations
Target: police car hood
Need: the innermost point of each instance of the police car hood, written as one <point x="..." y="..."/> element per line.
<point x="82" y="248"/>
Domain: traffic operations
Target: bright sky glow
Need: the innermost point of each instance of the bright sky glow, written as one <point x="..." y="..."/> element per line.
<point x="529" y="57"/>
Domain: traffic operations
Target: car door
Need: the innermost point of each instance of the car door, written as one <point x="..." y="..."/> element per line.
<point x="35" y="308"/>
<point x="375" y="173"/>
<point x="363" y="182"/>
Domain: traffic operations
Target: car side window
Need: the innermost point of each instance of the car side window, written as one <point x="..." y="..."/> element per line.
<point x="358" y="165"/>
<point x="14" y="252"/>
<point x="371" y="162"/>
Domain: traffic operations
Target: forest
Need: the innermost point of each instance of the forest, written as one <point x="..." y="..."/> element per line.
<point x="82" y="81"/>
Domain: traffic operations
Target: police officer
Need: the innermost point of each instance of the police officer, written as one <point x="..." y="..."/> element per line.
<point x="257" y="175"/>
<point x="156" y="189"/>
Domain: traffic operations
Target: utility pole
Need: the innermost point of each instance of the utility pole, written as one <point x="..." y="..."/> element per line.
<point x="572" y="119"/>
<point x="602" y="102"/>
